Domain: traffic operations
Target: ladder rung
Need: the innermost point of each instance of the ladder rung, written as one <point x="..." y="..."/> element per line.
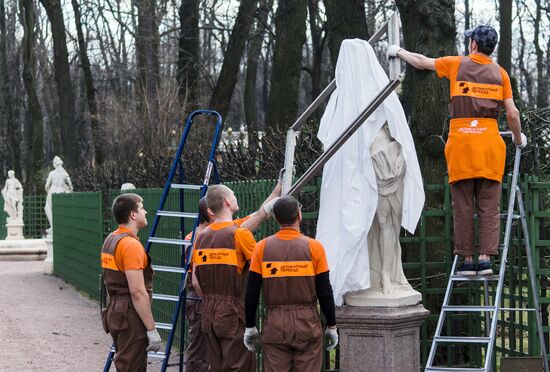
<point x="158" y="355"/>
<point x="457" y="369"/>
<point x="165" y="297"/>
<point x="170" y="241"/>
<point x="457" y="308"/>
<point x="167" y="326"/>
<point x="177" y="214"/>
<point x="503" y="216"/>
<point x="479" y="278"/>
<point x="169" y="269"/>
<point x="516" y="309"/>
<point x="185" y="186"/>
<point x="462" y="340"/>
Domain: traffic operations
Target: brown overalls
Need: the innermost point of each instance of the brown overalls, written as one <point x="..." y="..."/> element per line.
<point x="292" y="335"/>
<point x="120" y="318"/>
<point x="476" y="154"/>
<point x="222" y="317"/>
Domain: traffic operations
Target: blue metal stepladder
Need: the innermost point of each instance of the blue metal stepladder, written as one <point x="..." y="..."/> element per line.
<point x="491" y="311"/>
<point x="186" y="253"/>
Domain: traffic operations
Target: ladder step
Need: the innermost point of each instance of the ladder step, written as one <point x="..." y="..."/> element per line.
<point x="185" y="186"/>
<point x="461" y="308"/>
<point x="457" y="369"/>
<point x="177" y="214"/>
<point x="170" y="241"/>
<point x="479" y="278"/>
<point x="503" y="216"/>
<point x="462" y="340"/>
<point x="169" y="269"/>
<point x="167" y="326"/>
<point x="159" y="355"/>
<point x="165" y="297"/>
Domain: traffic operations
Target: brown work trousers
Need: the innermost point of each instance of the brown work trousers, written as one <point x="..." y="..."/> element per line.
<point x="292" y="339"/>
<point x="130" y="343"/>
<point x="196" y="352"/>
<point x="484" y="195"/>
<point x="222" y="321"/>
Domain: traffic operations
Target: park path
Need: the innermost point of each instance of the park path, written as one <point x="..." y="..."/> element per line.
<point x="46" y="324"/>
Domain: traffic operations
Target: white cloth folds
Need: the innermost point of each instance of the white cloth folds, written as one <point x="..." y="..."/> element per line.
<point x="349" y="192"/>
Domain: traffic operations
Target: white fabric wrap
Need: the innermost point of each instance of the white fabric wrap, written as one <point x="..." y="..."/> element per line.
<point x="349" y="191"/>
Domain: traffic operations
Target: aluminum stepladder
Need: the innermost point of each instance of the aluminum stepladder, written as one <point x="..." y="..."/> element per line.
<point x="179" y="299"/>
<point x="391" y="27"/>
<point x="491" y="311"/>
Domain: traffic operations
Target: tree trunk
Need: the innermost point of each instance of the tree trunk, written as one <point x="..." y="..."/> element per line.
<point x="541" y="86"/>
<point x="7" y="117"/>
<point x="290" y="36"/>
<point x="428" y="28"/>
<point x="64" y="86"/>
<point x="90" y="88"/>
<point x="147" y="59"/>
<point x="223" y="92"/>
<point x="346" y="20"/>
<point x="188" y="53"/>
<point x="527" y="78"/>
<point x="505" y="40"/>
<point x="34" y="132"/>
<point x="467" y="16"/>
<point x="318" y="45"/>
<point x="251" y="86"/>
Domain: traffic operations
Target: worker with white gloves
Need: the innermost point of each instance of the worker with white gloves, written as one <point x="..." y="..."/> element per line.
<point x="475" y="151"/>
<point x="294" y="273"/>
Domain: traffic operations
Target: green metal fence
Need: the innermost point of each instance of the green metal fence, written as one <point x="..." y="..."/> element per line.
<point x="78" y="237"/>
<point x="34" y="217"/>
<point x="427" y="256"/>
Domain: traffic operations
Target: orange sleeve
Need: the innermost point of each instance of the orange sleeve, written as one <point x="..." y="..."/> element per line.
<point x="244" y="242"/>
<point x="318" y="256"/>
<point x="240" y="221"/>
<point x="506" y="85"/>
<point x="257" y="257"/>
<point x="444" y="66"/>
<point x="130" y="254"/>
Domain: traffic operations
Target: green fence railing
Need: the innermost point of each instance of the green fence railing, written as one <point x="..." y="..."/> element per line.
<point x="427" y="256"/>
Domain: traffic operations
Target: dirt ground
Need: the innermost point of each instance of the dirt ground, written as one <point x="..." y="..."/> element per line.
<point x="45" y="324"/>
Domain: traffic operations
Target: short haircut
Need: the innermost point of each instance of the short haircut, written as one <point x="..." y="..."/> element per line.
<point x="215" y="197"/>
<point x="286" y="210"/>
<point x="203" y="211"/>
<point x="123" y="205"/>
<point x="485" y="50"/>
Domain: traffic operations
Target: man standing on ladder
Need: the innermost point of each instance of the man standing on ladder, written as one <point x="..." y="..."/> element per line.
<point x="220" y="259"/>
<point x="295" y="275"/>
<point x="475" y="151"/>
<point x="128" y="277"/>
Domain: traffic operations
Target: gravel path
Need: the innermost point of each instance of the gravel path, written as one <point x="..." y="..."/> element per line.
<point x="45" y="324"/>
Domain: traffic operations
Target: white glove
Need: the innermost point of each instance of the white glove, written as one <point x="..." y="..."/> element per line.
<point x="332" y="337"/>
<point x="154" y="340"/>
<point x="250" y="339"/>
<point x="523" y="141"/>
<point x="392" y="51"/>
<point x="268" y="207"/>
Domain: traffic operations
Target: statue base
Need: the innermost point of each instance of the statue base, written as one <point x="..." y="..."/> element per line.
<point x="15" y="230"/>
<point x="22" y="250"/>
<point x="374" y="339"/>
<point x="400" y="296"/>
<point x="49" y="258"/>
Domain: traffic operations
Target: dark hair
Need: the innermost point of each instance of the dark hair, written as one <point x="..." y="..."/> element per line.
<point x="286" y="210"/>
<point x="123" y="205"/>
<point x="215" y="197"/>
<point x="485" y="49"/>
<point x="203" y="211"/>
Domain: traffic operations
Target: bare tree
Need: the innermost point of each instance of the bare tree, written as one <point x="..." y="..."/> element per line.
<point x="188" y="52"/>
<point x="505" y="42"/>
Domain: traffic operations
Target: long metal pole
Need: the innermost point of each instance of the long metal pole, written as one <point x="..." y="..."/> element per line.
<point x="357" y="122"/>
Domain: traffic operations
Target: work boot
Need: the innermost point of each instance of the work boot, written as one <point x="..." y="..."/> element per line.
<point x="468" y="268"/>
<point x="484" y="268"/>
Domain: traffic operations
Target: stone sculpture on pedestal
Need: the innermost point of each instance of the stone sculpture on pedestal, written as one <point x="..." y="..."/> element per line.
<point x="13" y="205"/>
<point x="58" y="182"/>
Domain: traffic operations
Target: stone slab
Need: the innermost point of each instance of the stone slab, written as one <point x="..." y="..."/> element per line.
<point x="400" y="296"/>
<point x="22" y="250"/>
<point x="374" y="339"/>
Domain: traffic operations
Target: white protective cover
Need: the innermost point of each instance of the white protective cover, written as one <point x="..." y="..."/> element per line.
<point x="349" y="193"/>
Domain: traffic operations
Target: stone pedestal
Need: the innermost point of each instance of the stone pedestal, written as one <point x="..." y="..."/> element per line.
<point x="15" y="231"/>
<point x="22" y="250"/>
<point x="374" y="297"/>
<point x="374" y="339"/>
<point x="49" y="258"/>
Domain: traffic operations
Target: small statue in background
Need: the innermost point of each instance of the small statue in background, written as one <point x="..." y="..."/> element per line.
<point x="58" y="182"/>
<point x="13" y="198"/>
